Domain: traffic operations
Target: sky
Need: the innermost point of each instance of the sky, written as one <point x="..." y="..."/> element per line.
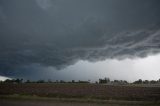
<point x="2" y="78"/>
<point x="80" y="39"/>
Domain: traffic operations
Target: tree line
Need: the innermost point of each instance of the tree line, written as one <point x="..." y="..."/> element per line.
<point x="18" y="81"/>
<point x="100" y="81"/>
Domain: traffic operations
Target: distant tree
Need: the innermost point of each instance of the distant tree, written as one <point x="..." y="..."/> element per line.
<point x="40" y="81"/>
<point x="49" y="81"/>
<point x="138" y="82"/>
<point x="105" y="80"/>
<point x="28" y="81"/>
<point x="73" y="81"/>
<point x="146" y="82"/>
<point x="116" y="81"/>
<point x="9" y="81"/>
<point x="62" y="81"/>
<point x="18" y="80"/>
<point x="100" y="80"/>
<point x="119" y="82"/>
<point x="96" y="82"/>
<point x="57" y="81"/>
<point x="158" y="81"/>
<point x="153" y="82"/>
<point x="125" y="82"/>
<point x="83" y="81"/>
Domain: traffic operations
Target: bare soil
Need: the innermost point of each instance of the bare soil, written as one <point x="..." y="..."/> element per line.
<point x="94" y="91"/>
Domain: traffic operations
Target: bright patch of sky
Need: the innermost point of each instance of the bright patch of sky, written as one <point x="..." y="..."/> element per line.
<point x="128" y="69"/>
<point x="2" y="78"/>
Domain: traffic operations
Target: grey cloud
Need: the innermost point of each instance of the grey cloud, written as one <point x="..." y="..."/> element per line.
<point x="2" y="16"/>
<point x="76" y="30"/>
<point x="44" y="4"/>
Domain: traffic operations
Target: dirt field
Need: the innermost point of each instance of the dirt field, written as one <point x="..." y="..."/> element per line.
<point x="38" y="103"/>
<point x="95" y="91"/>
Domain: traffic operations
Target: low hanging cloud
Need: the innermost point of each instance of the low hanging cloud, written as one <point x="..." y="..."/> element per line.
<point x="77" y="30"/>
<point x="44" y="4"/>
<point x="2" y="16"/>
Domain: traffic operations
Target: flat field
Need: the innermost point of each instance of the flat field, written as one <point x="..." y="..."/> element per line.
<point x="78" y="94"/>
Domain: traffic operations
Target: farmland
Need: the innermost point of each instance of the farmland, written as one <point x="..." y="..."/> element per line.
<point x="83" y="91"/>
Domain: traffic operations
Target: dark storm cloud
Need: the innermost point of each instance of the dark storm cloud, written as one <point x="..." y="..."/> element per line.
<point x="60" y="32"/>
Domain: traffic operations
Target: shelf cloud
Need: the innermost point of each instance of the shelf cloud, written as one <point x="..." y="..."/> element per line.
<point x="76" y="30"/>
<point x="44" y="4"/>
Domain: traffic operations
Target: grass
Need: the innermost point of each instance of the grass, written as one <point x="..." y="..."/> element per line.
<point x="17" y="97"/>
